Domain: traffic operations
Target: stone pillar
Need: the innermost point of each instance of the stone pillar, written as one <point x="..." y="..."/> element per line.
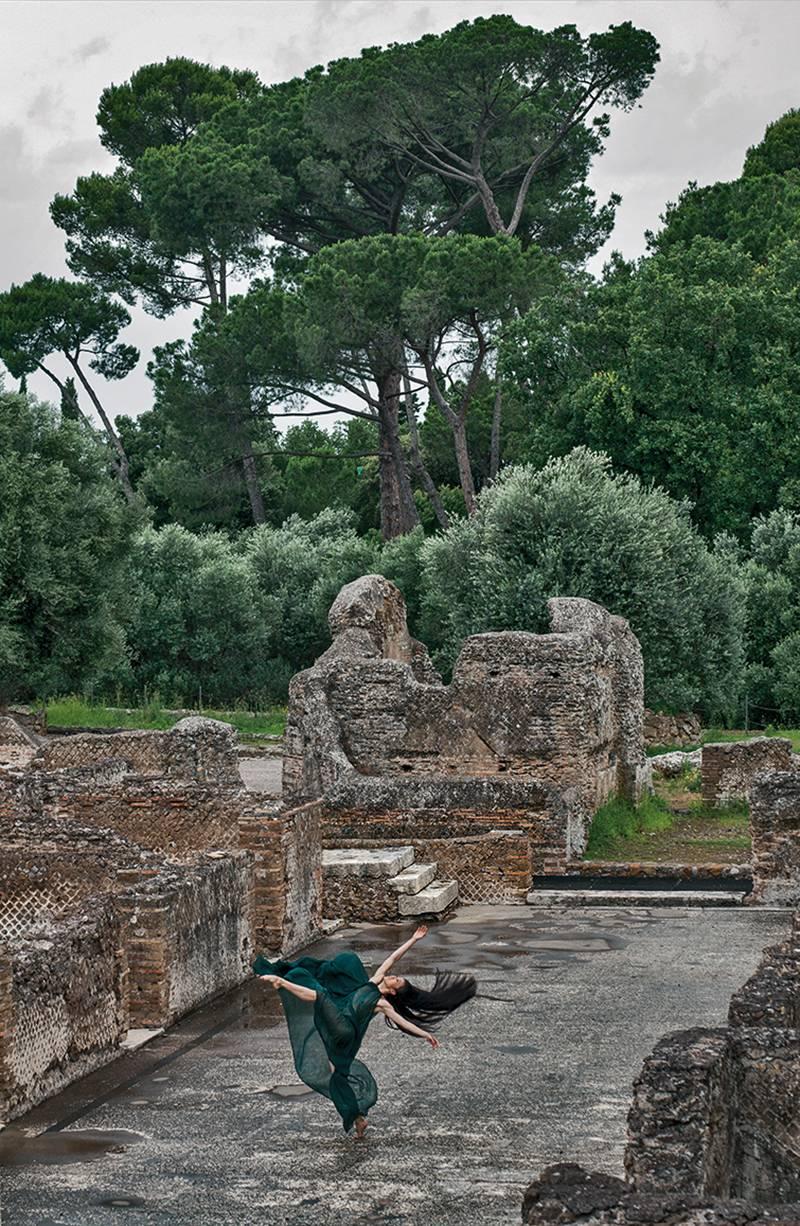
<point x="775" y="828"/>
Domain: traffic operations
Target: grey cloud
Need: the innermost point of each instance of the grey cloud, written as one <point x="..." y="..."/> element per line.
<point x="95" y="46"/>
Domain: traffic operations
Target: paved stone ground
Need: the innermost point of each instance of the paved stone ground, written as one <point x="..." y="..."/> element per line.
<point x="262" y="774"/>
<point x="205" y="1125"/>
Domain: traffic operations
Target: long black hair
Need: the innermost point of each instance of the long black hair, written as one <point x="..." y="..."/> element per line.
<point x="427" y="1008"/>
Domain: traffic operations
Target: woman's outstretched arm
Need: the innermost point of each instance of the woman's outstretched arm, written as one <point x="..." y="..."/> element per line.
<point x="296" y="989"/>
<point x="409" y="1027"/>
<point x="386" y="966"/>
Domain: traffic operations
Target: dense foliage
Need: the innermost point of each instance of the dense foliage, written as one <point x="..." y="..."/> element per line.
<point x="398" y="241"/>
<point x="65" y="540"/>
<point x="574" y="528"/>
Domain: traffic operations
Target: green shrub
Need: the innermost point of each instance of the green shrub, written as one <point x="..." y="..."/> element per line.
<point x="575" y="528"/>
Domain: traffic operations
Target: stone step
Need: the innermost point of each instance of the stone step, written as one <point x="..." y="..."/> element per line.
<point x="413" y="879"/>
<point x="363" y="862"/>
<point x="635" y="898"/>
<point x="434" y="898"/>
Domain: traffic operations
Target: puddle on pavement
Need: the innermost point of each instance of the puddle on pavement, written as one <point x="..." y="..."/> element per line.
<point x="121" y="1202"/>
<point x="521" y="1049"/>
<point x="286" y="1092"/>
<point x="18" y="1148"/>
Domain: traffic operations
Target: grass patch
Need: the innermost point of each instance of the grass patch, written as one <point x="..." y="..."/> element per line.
<point x="75" y="712"/>
<point x="619" y="821"/>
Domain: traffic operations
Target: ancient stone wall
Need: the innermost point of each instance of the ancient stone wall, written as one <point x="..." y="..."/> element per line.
<point x="566" y="1193"/>
<point x="728" y="767"/>
<point x="534" y="732"/>
<point x="17" y="745"/>
<point x="775" y="831"/>
<point x="286" y="845"/>
<point x="663" y="729"/>
<point x="188" y="934"/>
<point x="63" y="1006"/>
<point x="195" y="748"/>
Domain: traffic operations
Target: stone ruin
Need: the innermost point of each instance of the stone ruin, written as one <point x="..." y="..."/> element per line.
<point x="137" y="879"/>
<point x="497" y="775"/>
<point x="714" y="1126"/>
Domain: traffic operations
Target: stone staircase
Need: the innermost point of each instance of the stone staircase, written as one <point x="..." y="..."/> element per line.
<point x="381" y="884"/>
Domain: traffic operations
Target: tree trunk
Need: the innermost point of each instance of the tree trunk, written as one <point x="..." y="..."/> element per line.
<point x="464" y="467"/>
<point x="398" y="509"/>
<point x="253" y="488"/>
<point x="494" y="453"/>
<point x="426" y="480"/>
<point x="121" y="459"/>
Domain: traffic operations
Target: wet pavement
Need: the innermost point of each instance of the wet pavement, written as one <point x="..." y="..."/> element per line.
<point x="208" y="1123"/>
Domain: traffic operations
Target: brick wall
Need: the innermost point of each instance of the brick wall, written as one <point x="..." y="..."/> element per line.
<point x="188" y="932"/>
<point x="195" y="748"/>
<point x="286" y="845"/>
<point x="63" y="1006"/>
<point x="728" y="767"/>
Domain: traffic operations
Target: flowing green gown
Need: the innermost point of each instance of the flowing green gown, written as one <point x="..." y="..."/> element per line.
<point x="328" y="1031"/>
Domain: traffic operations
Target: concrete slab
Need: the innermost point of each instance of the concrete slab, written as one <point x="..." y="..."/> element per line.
<point x="635" y="898"/>
<point x="207" y="1124"/>
<point x="434" y="898"/>
<point x="413" y="879"/>
<point x="366" y="862"/>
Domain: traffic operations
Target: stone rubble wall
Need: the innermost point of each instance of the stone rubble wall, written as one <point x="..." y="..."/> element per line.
<point x="535" y="732"/>
<point x="195" y="748"/>
<point x="566" y="1193"/>
<point x="729" y="767"/>
<point x="63" y="1006"/>
<point x="18" y="746"/>
<point x="775" y="831"/>
<point x="663" y="729"/>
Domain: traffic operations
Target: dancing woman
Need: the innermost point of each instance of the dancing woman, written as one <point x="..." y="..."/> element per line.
<point x="329" y="1005"/>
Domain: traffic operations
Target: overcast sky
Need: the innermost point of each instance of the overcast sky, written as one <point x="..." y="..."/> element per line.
<point x="728" y="67"/>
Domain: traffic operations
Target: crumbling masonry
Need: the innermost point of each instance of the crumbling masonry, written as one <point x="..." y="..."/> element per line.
<point x="137" y="878"/>
<point x="496" y="775"/>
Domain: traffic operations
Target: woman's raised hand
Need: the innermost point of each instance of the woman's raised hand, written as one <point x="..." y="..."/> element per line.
<point x="273" y="980"/>
<point x="421" y="932"/>
<point x="432" y="1039"/>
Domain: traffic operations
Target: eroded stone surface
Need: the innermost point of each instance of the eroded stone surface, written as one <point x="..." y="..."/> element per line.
<point x="532" y="735"/>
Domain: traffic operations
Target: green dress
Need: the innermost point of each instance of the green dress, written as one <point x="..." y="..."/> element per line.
<point x="328" y="1031"/>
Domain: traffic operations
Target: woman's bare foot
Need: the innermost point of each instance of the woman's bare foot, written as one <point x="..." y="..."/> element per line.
<point x="361" y="1127"/>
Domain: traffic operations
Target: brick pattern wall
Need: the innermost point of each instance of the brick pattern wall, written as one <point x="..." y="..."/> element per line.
<point x="175" y="817"/>
<point x="286" y="846"/>
<point x="728" y="768"/>
<point x="188" y="934"/>
<point x="63" y="1006"/>
<point x="195" y="748"/>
